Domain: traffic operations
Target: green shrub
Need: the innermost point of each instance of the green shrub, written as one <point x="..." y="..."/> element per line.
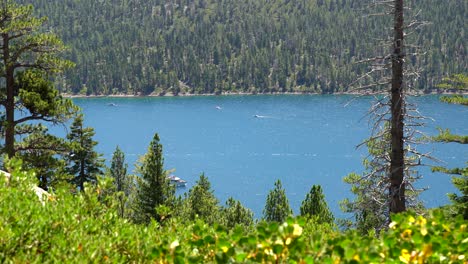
<point x="76" y="227"/>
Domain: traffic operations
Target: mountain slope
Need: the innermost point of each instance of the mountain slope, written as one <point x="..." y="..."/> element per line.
<point x="258" y="46"/>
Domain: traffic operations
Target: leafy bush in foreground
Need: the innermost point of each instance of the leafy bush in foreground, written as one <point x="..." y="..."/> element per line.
<point x="84" y="227"/>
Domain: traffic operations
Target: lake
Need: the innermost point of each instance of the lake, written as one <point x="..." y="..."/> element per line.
<point x="244" y="143"/>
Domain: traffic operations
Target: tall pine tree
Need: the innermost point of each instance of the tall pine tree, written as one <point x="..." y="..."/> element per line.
<point x="118" y="171"/>
<point x="85" y="164"/>
<point x="29" y="57"/>
<point x="153" y="188"/>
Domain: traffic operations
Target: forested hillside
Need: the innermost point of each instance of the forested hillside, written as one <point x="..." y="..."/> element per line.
<point x="255" y="46"/>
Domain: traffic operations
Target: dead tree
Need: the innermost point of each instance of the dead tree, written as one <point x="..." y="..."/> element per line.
<point x="389" y="175"/>
<point x="397" y="105"/>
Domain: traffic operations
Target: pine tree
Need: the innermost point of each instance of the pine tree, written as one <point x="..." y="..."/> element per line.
<point x="44" y="154"/>
<point x="153" y="186"/>
<point x="201" y="203"/>
<point x="118" y="171"/>
<point x="277" y="205"/>
<point x="85" y="164"/>
<point x="29" y="58"/>
<point x="234" y="213"/>
<point x="315" y="205"/>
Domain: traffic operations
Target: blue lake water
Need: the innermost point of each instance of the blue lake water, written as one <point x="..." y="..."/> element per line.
<point x="301" y="140"/>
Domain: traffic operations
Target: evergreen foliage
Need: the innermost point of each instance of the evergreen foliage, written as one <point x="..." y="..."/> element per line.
<point x="85" y="164"/>
<point x="459" y="201"/>
<point x="277" y="207"/>
<point x="446" y="136"/>
<point x="455" y="99"/>
<point x="216" y="46"/>
<point x="200" y="203"/>
<point x="234" y="214"/>
<point x="30" y="57"/>
<point x="45" y="154"/>
<point x="315" y="206"/>
<point x="153" y="187"/>
<point x="455" y="83"/>
<point x="370" y="215"/>
<point x="118" y="171"/>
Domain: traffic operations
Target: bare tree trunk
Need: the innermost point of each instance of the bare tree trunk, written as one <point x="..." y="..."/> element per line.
<point x="397" y="162"/>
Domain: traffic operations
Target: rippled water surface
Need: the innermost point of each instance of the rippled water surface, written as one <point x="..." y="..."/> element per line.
<point x="244" y="143"/>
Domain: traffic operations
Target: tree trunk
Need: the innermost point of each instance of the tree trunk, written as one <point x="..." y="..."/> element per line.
<point x="10" y="98"/>
<point x="397" y="162"/>
<point x="82" y="175"/>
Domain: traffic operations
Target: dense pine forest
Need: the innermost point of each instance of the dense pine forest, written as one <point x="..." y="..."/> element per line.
<point x="253" y="46"/>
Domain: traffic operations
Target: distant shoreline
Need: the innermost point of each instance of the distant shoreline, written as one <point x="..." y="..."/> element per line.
<point x="178" y="95"/>
<point x="234" y="94"/>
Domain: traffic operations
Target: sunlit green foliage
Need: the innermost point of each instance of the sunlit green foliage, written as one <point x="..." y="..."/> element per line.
<point x="455" y="99"/>
<point x="446" y="137"/>
<point x="38" y="95"/>
<point x="455" y="83"/>
<point x="82" y="228"/>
